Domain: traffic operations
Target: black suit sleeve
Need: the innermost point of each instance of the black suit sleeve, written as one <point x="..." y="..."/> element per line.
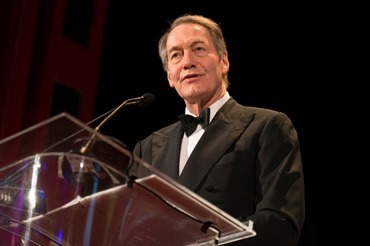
<point x="279" y="215"/>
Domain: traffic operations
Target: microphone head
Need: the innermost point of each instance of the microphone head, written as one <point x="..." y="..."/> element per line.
<point x="147" y="99"/>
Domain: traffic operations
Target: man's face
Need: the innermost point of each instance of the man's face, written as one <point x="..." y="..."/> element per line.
<point x="194" y="69"/>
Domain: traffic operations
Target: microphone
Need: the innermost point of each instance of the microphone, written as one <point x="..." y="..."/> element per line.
<point x="143" y="101"/>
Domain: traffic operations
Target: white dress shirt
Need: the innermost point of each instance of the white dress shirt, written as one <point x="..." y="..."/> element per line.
<point x="188" y="143"/>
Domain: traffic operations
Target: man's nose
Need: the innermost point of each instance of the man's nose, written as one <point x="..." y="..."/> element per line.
<point x="188" y="59"/>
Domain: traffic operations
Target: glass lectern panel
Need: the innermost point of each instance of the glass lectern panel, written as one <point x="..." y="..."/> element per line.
<point x="52" y="193"/>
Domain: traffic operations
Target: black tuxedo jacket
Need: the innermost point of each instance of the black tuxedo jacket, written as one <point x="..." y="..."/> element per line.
<point x="247" y="162"/>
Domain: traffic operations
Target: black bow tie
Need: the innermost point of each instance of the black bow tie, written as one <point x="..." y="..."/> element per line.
<point x="189" y="122"/>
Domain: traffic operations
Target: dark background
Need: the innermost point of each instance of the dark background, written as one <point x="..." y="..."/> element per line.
<point x="307" y="59"/>
<point x="86" y="57"/>
<point x="274" y="55"/>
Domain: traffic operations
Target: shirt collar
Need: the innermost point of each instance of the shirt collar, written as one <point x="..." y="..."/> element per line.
<point x="214" y="107"/>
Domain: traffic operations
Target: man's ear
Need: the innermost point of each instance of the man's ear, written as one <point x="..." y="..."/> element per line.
<point x="225" y="62"/>
<point x="170" y="80"/>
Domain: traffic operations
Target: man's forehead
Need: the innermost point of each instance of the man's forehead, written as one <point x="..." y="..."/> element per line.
<point x="189" y="34"/>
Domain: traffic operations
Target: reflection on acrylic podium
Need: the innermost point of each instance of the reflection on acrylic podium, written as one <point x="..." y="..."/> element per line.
<point x="51" y="194"/>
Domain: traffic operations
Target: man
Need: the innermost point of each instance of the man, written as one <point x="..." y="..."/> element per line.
<point x="247" y="160"/>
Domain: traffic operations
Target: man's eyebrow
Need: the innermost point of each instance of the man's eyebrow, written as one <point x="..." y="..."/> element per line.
<point x="173" y="48"/>
<point x="193" y="43"/>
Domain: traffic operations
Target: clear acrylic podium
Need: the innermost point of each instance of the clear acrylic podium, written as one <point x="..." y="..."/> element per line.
<point x="51" y="194"/>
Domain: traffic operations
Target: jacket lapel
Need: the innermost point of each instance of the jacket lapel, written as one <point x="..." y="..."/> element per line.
<point x="225" y="128"/>
<point x="166" y="151"/>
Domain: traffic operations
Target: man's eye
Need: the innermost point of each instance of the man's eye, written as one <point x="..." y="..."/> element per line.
<point x="175" y="55"/>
